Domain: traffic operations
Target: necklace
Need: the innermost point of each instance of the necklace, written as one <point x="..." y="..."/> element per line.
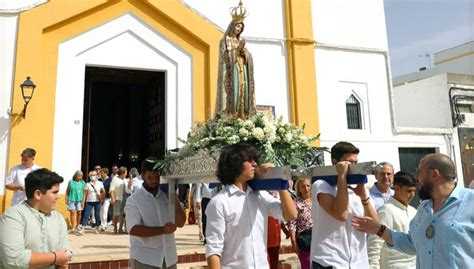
<point x="430" y="232"/>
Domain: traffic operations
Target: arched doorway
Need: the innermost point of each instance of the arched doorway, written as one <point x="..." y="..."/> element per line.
<point x="124" y="117"/>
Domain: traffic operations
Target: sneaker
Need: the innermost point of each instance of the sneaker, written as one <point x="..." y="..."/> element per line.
<point x="80" y="230"/>
<point x="97" y="230"/>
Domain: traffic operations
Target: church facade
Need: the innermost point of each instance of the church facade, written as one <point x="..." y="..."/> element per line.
<point x="118" y="80"/>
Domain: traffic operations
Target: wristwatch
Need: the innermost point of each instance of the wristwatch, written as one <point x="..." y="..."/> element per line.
<point x="381" y="230"/>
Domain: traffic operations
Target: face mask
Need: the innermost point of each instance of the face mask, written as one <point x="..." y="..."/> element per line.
<point x="93" y="178"/>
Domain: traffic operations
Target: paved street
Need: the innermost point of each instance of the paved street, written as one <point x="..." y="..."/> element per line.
<point x="106" y="246"/>
<point x="109" y="246"/>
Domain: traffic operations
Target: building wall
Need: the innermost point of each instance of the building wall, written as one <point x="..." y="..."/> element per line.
<point x="57" y="40"/>
<point x="361" y="74"/>
<point x="459" y="60"/>
<point x="9" y="14"/>
<point x="358" y="23"/>
<point x="309" y="56"/>
<point x="147" y="50"/>
<point x="264" y="33"/>
<point x="428" y="99"/>
<point x="8" y="24"/>
<point x="352" y="58"/>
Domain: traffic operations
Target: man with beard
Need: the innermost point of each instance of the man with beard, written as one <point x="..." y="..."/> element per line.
<point x="152" y="241"/>
<point x="442" y="232"/>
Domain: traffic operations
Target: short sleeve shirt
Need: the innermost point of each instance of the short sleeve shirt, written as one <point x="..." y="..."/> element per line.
<point x="336" y="243"/>
<point x="17" y="175"/>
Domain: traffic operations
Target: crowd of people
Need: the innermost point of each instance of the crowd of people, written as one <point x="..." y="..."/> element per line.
<point x="330" y="226"/>
<point x="99" y="200"/>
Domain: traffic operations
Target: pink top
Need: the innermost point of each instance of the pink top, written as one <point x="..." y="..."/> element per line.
<point x="304" y="220"/>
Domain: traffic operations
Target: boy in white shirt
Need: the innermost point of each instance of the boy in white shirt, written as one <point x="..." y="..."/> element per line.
<point x="237" y="217"/>
<point x="335" y="243"/>
<point x="152" y="242"/>
<point x="395" y="214"/>
<point x="16" y="177"/>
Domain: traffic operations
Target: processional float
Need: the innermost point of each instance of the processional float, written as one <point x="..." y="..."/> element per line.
<point x="236" y="120"/>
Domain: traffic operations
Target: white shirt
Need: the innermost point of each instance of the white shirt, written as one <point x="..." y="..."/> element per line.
<point x="237" y="226"/>
<point x="145" y="209"/>
<point x="118" y="186"/>
<point x="203" y="191"/>
<point x="92" y="193"/>
<point x="395" y="216"/>
<point x="379" y="198"/>
<point x="335" y="243"/>
<point x="137" y="183"/>
<point x="17" y="175"/>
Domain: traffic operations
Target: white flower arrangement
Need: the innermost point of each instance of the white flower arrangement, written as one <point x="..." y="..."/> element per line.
<point x="277" y="142"/>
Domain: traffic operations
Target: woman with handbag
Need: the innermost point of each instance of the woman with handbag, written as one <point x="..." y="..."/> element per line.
<point x="95" y="193"/>
<point x="300" y="228"/>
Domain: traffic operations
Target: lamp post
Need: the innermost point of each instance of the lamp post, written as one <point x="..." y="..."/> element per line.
<point x="27" y="90"/>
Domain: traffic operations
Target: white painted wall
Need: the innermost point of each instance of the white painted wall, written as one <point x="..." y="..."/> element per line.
<point x="264" y="32"/>
<point x="16" y="6"/>
<point x="352" y="59"/>
<point x="386" y="150"/>
<point x="101" y="46"/>
<point x="423" y="103"/>
<point x="9" y="11"/>
<point x="363" y="74"/>
<point x="265" y="17"/>
<point x="8" y="29"/>
<point x="359" y="23"/>
<point x="271" y="86"/>
<point x="338" y="75"/>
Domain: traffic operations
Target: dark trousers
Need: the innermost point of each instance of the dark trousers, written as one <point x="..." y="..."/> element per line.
<point x="315" y="265"/>
<point x="204" y="203"/>
<point x="87" y="213"/>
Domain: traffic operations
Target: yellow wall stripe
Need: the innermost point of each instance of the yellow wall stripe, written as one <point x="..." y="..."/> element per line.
<point x="301" y="66"/>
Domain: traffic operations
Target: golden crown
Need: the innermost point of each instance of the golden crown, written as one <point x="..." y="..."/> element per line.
<point x="239" y="12"/>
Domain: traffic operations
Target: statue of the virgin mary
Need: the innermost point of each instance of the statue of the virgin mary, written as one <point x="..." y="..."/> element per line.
<point x="235" y="85"/>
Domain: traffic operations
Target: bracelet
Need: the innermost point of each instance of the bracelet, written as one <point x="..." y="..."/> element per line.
<point x="365" y="200"/>
<point x="381" y="230"/>
<point x="54" y="262"/>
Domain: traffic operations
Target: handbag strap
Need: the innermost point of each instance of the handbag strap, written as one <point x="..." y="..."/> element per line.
<point x="94" y="188"/>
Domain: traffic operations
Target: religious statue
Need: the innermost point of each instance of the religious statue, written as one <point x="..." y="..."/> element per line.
<point x="235" y="85"/>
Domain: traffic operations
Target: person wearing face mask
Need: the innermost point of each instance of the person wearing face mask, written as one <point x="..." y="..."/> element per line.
<point x="75" y="199"/>
<point x="94" y="192"/>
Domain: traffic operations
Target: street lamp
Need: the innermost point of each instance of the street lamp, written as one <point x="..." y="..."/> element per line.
<point x="27" y="90"/>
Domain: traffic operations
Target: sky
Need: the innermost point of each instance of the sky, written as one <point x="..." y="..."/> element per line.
<point x="417" y="28"/>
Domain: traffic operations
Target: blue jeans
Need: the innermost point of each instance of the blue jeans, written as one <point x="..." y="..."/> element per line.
<point x="87" y="213"/>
